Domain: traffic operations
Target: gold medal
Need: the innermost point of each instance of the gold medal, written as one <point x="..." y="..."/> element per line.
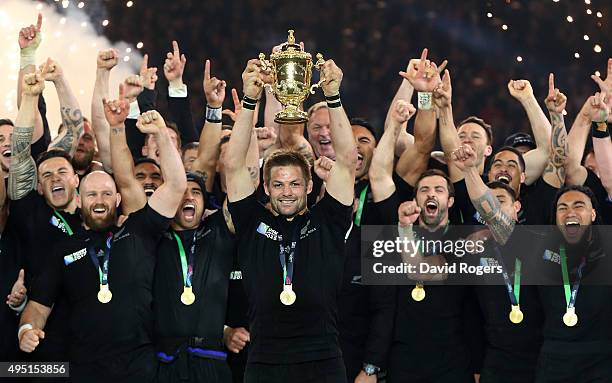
<point x="516" y="315"/>
<point x="570" y="318"/>
<point x="104" y="295"/>
<point x="287" y="296"/>
<point x="187" y="297"/>
<point x="418" y="293"/>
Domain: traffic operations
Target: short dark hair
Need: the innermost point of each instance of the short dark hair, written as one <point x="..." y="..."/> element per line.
<point x="513" y="150"/>
<point x="435" y="172"/>
<point x="579" y="188"/>
<point x="53" y="153"/>
<point x="286" y="158"/>
<point x="143" y="160"/>
<point x="366" y="124"/>
<point x="482" y="123"/>
<point x="500" y="185"/>
<point x="6" y="121"/>
<point x="189" y="146"/>
<point x="172" y="126"/>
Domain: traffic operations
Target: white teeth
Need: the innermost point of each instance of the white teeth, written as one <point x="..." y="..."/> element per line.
<point x="359" y="157"/>
<point x="324" y="142"/>
<point x="572" y="223"/>
<point x="503" y="178"/>
<point x="189" y="206"/>
<point x="99" y="210"/>
<point x="57" y="188"/>
<point x="6" y="153"/>
<point x="431" y="205"/>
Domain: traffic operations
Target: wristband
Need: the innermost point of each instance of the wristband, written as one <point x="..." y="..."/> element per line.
<point x="370" y="369"/>
<point x="134" y="111"/>
<point x="405" y="231"/>
<point x="600" y="129"/>
<point x="28" y="54"/>
<point x="333" y="101"/>
<point x="23" y="329"/>
<point x="249" y="103"/>
<point x="424" y="100"/>
<point x="213" y="114"/>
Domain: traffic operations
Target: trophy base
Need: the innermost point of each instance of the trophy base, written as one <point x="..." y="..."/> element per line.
<point x="291" y="116"/>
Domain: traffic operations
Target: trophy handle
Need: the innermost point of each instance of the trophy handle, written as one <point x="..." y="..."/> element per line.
<point x="265" y="64"/>
<point x="318" y="65"/>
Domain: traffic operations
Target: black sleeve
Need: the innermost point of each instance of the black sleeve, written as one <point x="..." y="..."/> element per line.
<point x="135" y="139"/>
<point x="146" y="100"/>
<point x="46" y="137"/>
<point x="47" y="285"/>
<point x="336" y="214"/>
<point x="461" y="210"/>
<point x="180" y="112"/>
<point x="405" y="191"/>
<point x="147" y="222"/>
<point x="243" y="212"/>
<point x="387" y="209"/>
<point x="382" y="314"/>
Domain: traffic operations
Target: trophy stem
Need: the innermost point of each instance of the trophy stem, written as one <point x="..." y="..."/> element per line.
<point x="291" y="115"/>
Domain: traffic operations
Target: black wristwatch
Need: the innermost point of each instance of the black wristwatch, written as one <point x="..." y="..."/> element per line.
<point x="370" y="369"/>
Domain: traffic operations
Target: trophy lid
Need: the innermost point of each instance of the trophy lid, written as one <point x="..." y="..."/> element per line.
<point x="291" y="42"/>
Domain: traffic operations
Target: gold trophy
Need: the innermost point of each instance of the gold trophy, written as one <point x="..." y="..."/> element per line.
<point x="291" y="69"/>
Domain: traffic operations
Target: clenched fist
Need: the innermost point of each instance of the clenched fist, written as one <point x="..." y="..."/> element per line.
<point x="408" y="212"/>
<point x="33" y="84"/>
<point x="51" y="71"/>
<point x="555" y="101"/>
<point x="236" y="338"/>
<point x="150" y="122"/>
<point x="322" y="167"/>
<point x="133" y="86"/>
<point x="116" y="111"/>
<point x="520" y="89"/>
<point x="30" y="339"/>
<point x="253" y="79"/>
<point x="107" y="59"/>
<point x="402" y="111"/>
<point x="599" y="109"/>
<point x="464" y="157"/>
<point x="332" y="76"/>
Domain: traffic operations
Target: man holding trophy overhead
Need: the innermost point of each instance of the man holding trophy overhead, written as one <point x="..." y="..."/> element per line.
<point x="291" y="257"/>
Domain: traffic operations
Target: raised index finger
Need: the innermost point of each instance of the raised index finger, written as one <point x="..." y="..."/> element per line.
<point x="423" y="58"/>
<point x="175" y="48"/>
<point x="145" y="64"/>
<point x="609" y="75"/>
<point x="207" y="70"/>
<point x="235" y="98"/>
<point x="39" y="22"/>
<point x="551" y="84"/>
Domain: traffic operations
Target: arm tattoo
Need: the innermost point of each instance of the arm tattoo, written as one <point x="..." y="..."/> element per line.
<point x="118" y="130"/>
<point x="73" y="120"/>
<point x="559" y="148"/>
<point x="22" y="173"/>
<point x="500" y="224"/>
<point x="228" y="218"/>
<point x="254" y="173"/>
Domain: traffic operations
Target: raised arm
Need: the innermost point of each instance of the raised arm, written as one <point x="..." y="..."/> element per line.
<point x="105" y="62"/>
<point x="342" y="175"/>
<point x="72" y="117"/>
<point x="601" y="140"/>
<point x="408" y="212"/>
<point x="485" y="203"/>
<point x="239" y="184"/>
<point x="424" y="80"/>
<point x="29" y="41"/>
<point x="381" y="167"/>
<point x="22" y="171"/>
<point x="447" y="130"/>
<point x="575" y="173"/>
<point x="536" y="159"/>
<point x="404" y="92"/>
<point x="133" y="195"/>
<point x="208" y="150"/>
<point x="166" y="199"/>
<point x="554" y="174"/>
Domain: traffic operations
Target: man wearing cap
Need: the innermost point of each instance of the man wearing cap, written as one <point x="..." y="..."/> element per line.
<point x="523" y="142"/>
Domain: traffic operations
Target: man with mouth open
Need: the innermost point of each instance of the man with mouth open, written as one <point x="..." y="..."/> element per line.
<point x="576" y="292"/>
<point x="292" y="258"/>
<point x="106" y="271"/>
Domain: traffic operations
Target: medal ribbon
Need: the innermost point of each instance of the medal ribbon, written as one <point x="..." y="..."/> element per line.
<point x="570" y="297"/>
<point x="187" y="268"/>
<point x="58" y="215"/>
<point x="102" y="270"/>
<point x="514" y="292"/>
<point x="362" y="198"/>
<point x="287" y="256"/>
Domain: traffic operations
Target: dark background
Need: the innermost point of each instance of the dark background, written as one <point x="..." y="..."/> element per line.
<point x="372" y="40"/>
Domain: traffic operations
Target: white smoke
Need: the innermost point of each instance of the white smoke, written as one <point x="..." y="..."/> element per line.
<point x="69" y="39"/>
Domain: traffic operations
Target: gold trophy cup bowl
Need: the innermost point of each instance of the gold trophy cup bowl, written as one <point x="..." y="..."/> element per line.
<point x="291" y="69"/>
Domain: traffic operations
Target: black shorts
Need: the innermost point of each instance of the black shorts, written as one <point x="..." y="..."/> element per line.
<point x="138" y="366"/>
<point x="320" y="371"/>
